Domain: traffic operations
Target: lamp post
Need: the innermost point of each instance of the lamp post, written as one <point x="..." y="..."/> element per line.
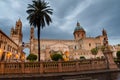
<point x="16" y="56"/>
<point x="0" y="51"/>
<point x="9" y="54"/>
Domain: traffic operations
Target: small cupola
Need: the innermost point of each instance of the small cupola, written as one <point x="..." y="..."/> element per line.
<point x="79" y="32"/>
<point x="78" y="27"/>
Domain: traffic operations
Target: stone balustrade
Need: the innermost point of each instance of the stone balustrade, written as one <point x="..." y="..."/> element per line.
<point x="52" y="66"/>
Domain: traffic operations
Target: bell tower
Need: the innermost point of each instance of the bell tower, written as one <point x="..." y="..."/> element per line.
<point x="16" y="33"/>
<point x="104" y="34"/>
<point x="108" y="53"/>
<point x="32" y="33"/>
<point x="79" y="32"/>
<point x="31" y="38"/>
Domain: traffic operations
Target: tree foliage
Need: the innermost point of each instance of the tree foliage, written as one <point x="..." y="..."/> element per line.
<point x="32" y="57"/>
<point x="102" y="48"/>
<point x="118" y="54"/>
<point x="82" y="58"/>
<point x="118" y="44"/>
<point x="56" y="57"/>
<point x="94" y="51"/>
<point x="39" y="15"/>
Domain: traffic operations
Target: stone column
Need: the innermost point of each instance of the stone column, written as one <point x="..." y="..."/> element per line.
<point x="2" y="67"/>
<point x="23" y="68"/>
<point x="77" y="65"/>
<point x="60" y="66"/>
<point x="41" y="67"/>
<point x="71" y="52"/>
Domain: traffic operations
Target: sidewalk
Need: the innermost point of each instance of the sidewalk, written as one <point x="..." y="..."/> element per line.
<point x="57" y="74"/>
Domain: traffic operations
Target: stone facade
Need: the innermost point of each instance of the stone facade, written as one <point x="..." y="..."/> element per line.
<point x="7" y="47"/>
<point x="10" y="47"/>
<point x="81" y="45"/>
<point x="115" y="48"/>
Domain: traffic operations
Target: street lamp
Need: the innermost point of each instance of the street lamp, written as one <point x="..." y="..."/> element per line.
<point x="9" y="54"/>
<point x="16" y="56"/>
<point x="1" y="51"/>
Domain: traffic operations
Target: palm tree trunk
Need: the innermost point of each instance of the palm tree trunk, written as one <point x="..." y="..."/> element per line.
<point x="38" y="44"/>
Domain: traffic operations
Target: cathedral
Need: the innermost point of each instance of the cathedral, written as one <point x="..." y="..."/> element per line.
<point x="81" y="45"/>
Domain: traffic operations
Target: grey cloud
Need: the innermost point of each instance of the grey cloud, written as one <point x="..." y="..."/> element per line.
<point x="64" y="7"/>
<point x="93" y="17"/>
<point x="5" y="25"/>
<point x="55" y="33"/>
<point x="26" y="33"/>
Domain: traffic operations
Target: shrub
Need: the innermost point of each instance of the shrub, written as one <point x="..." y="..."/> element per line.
<point x="118" y="44"/>
<point x="102" y="48"/>
<point x="82" y="58"/>
<point x="102" y="57"/>
<point x="94" y="51"/>
<point x="118" y="54"/>
<point x="56" y="57"/>
<point x="98" y="57"/>
<point x="32" y="57"/>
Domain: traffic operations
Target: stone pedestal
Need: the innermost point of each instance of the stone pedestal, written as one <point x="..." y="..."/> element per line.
<point x="110" y="61"/>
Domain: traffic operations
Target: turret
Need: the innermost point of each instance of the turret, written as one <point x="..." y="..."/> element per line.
<point x="16" y="33"/>
<point x="104" y="33"/>
<point x="18" y="26"/>
<point x="12" y="31"/>
<point x="32" y="33"/>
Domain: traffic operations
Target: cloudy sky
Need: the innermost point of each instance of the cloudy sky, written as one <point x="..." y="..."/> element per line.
<point x="93" y="15"/>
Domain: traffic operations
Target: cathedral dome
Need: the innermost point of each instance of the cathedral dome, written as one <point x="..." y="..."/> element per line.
<point x="78" y="27"/>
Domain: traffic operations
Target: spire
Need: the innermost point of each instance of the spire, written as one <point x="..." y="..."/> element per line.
<point x="78" y="24"/>
<point x="12" y="27"/>
<point x="19" y="20"/>
<point x="104" y="32"/>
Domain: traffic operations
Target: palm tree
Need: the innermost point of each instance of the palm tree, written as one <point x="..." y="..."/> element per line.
<point x="39" y="15"/>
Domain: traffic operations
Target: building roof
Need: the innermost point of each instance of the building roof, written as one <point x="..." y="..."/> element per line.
<point x="78" y="27"/>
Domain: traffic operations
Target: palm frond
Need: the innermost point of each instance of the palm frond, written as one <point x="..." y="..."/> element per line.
<point x="39" y="15"/>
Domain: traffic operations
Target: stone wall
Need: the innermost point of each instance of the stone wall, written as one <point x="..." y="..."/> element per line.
<point x="52" y="67"/>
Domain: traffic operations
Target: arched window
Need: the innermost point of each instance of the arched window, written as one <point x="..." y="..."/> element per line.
<point x="75" y="47"/>
<point x="89" y="44"/>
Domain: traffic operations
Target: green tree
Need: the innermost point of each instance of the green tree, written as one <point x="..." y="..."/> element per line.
<point x="94" y="51"/>
<point x="56" y="57"/>
<point x="102" y="48"/>
<point x="32" y="57"/>
<point x="39" y="15"/>
<point x="118" y="54"/>
<point x="118" y="44"/>
<point x="82" y="58"/>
